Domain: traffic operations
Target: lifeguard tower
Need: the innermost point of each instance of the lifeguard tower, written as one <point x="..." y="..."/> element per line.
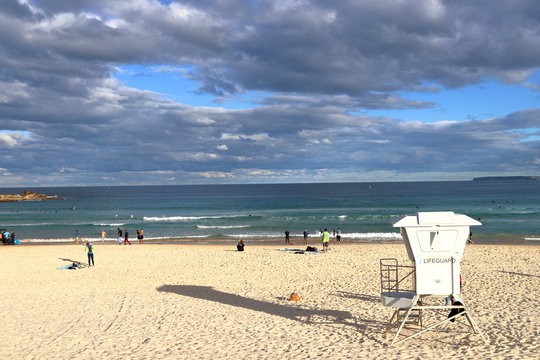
<point x="435" y="242"/>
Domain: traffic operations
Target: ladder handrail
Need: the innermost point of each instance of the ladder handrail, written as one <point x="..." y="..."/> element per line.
<point x="390" y="279"/>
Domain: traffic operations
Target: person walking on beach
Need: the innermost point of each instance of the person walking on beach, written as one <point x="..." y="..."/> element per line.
<point x="287" y="236"/>
<point x="90" y="249"/>
<point x="119" y="239"/>
<point x="305" y="236"/>
<point x="103" y="234"/>
<point x="338" y="235"/>
<point x="325" y="237"/>
<point x="126" y="238"/>
<point x="77" y="236"/>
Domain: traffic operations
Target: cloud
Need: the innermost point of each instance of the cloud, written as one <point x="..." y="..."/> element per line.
<point x="319" y="66"/>
<point x="318" y="48"/>
<point x="215" y="175"/>
<point x="8" y="140"/>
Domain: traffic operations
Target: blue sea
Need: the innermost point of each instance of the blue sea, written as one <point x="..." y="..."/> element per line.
<point x="508" y="209"/>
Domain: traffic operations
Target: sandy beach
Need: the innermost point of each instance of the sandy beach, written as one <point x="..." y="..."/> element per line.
<point x="211" y="302"/>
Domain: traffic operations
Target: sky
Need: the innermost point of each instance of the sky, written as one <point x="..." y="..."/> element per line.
<point x="148" y="92"/>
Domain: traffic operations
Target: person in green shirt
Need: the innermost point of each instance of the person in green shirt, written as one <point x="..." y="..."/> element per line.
<point x="90" y="249"/>
<point x="325" y="237"/>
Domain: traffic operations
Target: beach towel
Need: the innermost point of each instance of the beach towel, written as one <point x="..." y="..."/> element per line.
<point x="73" y="266"/>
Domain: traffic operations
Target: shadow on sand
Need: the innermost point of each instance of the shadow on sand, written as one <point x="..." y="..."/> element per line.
<point x="83" y="264"/>
<point x="519" y="274"/>
<point x="289" y="312"/>
<point x="349" y="295"/>
<point x="366" y="327"/>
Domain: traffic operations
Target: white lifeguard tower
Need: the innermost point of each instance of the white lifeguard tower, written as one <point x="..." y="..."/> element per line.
<point x="435" y="242"/>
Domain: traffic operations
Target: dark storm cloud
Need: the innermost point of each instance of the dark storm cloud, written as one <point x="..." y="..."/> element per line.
<point x="15" y="9"/>
<point x="316" y="47"/>
<point x="355" y="47"/>
<point x="65" y="119"/>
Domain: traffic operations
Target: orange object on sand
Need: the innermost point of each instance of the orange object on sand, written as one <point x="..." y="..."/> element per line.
<point x="294" y="297"/>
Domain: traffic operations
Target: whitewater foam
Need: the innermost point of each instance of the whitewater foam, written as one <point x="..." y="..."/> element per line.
<point x="182" y="218"/>
<point x="222" y="226"/>
<point x="112" y="225"/>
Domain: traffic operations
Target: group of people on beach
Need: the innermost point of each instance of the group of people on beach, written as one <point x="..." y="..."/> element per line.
<point x="8" y="238"/>
<point x="125" y="236"/>
<point x="324" y="235"/>
<point x="122" y="236"/>
<point x="336" y="234"/>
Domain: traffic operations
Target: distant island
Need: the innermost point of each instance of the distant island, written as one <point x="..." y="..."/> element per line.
<point x="28" y="196"/>
<point x="507" y="178"/>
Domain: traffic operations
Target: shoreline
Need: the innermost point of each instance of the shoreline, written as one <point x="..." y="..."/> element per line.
<point x="257" y="241"/>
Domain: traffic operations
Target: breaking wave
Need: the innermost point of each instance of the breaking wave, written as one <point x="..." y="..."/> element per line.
<point x="179" y="218"/>
<point x="222" y="226"/>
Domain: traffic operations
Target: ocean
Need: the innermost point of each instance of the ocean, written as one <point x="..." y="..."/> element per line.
<point x="508" y="209"/>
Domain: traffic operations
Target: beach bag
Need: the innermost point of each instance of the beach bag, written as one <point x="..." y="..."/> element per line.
<point x="312" y="248"/>
<point x="455" y="311"/>
<point x="294" y="297"/>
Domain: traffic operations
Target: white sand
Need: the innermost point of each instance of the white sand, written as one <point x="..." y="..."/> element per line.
<point x="210" y="302"/>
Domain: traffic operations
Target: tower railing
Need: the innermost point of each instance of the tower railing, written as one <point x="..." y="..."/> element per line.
<point x="395" y="277"/>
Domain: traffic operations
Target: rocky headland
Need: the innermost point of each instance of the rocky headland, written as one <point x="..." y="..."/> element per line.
<point x="27" y="196"/>
<point x="507" y="178"/>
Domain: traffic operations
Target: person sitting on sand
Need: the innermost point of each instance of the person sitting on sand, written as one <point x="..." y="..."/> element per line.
<point x="454" y="312"/>
<point x="5" y="237"/>
<point x="240" y="245"/>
